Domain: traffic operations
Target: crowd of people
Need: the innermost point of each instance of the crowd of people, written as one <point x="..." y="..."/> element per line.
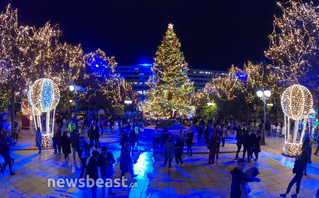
<point x="92" y="156"/>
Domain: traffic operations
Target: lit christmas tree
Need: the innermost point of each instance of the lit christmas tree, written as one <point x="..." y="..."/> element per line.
<point x="170" y="88"/>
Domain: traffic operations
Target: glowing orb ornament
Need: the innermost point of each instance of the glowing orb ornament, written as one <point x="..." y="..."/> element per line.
<point x="44" y="95"/>
<point x="296" y="102"/>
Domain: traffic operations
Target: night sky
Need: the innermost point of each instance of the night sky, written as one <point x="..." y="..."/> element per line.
<point x="214" y="33"/>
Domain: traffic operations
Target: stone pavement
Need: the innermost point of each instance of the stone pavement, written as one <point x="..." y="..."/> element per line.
<point x="195" y="179"/>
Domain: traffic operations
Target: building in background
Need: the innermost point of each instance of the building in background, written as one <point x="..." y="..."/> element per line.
<point x="138" y="75"/>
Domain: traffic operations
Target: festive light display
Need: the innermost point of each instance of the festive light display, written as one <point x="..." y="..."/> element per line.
<point x="296" y="103"/>
<point x="170" y="87"/>
<point x="44" y="95"/>
<point x="294" y="44"/>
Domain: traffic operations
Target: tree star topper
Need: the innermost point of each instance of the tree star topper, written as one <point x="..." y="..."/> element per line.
<point x="170" y="26"/>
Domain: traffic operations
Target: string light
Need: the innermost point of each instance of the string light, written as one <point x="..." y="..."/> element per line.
<point x="44" y="95"/>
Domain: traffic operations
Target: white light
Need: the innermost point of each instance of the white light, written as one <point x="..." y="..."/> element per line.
<point x="71" y="101"/>
<point x="210" y="103"/>
<point x="267" y="93"/>
<point x="260" y="93"/>
<point x="128" y="102"/>
<point x="71" y="87"/>
<point x="270" y="105"/>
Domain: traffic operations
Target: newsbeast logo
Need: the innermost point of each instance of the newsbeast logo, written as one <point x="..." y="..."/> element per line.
<point x="88" y="182"/>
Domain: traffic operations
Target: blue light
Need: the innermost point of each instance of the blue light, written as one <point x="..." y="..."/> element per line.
<point x="146" y="65"/>
<point x="47" y="95"/>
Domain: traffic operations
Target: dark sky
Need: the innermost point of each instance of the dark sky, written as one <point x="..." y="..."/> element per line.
<point x="214" y="33"/>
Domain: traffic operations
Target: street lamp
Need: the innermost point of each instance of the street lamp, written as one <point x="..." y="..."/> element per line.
<point x="210" y="103"/>
<point x="264" y="95"/>
<point x="76" y="89"/>
<point x="128" y="102"/>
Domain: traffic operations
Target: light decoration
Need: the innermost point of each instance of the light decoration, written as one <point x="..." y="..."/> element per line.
<point x="170" y="86"/>
<point x="294" y="44"/>
<point x="296" y="103"/>
<point x="44" y="96"/>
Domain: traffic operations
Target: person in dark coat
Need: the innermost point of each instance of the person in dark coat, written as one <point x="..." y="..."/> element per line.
<point x="246" y="144"/>
<point x="75" y="141"/>
<point x="257" y="147"/>
<point x="133" y="139"/>
<point x="237" y="177"/>
<point x="96" y="135"/>
<point x="212" y="146"/>
<point x="91" y="134"/>
<point x="169" y="152"/>
<point x="5" y="149"/>
<point x="164" y="138"/>
<point x="179" y="151"/>
<point x="38" y="138"/>
<point x="66" y="148"/>
<point x="189" y="142"/>
<point x="239" y="137"/>
<point x="124" y="138"/>
<point x="84" y="153"/>
<point x="57" y="140"/>
<point x="252" y="141"/>
<point x="105" y="162"/>
<point x="126" y="164"/>
<point x="92" y="171"/>
<point x="299" y="167"/>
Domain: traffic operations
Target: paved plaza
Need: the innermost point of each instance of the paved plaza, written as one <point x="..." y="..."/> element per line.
<point x="195" y="179"/>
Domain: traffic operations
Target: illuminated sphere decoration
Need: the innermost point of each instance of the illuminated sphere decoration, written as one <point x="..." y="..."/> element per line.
<point x="44" y="95"/>
<point x="296" y="102"/>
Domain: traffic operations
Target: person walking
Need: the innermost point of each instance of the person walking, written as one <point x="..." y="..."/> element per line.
<point x="66" y="149"/>
<point x="92" y="171"/>
<point x="124" y="139"/>
<point x="133" y="139"/>
<point x="57" y="139"/>
<point x="156" y="139"/>
<point x="189" y="142"/>
<point x="71" y="127"/>
<point x="75" y="141"/>
<point x="5" y="149"/>
<point x="212" y="146"/>
<point x="179" y="151"/>
<point x="91" y="134"/>
<point x="38" y="138"/>
<point x="252" y="140"/>
<point x="224" y="135"/>
<point x="164" y="138"/>
<point x="84" y="153"/>
<point x="299" y="167"/>
<point x="246" y="145"/>
<point x="96" y="136"/>
<point x="105" y="162"/>
<point x="169" y="152"/>
<point x="239" y="138"/>
<point x="257" y="146"/>
<point x="126" y="164"/>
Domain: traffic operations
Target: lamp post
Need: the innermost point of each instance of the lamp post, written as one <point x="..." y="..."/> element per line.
<point x="76" y="89"/>
<point x="264" y="95"/>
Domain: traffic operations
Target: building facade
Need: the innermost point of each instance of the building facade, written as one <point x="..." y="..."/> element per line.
<point x="138" y="75"/>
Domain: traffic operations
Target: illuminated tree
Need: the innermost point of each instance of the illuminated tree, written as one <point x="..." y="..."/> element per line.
<point x="104" y="88"/>
<point x="28" y="53"/>
<point x="294" y="42"/>
<point x="170" y="87"/>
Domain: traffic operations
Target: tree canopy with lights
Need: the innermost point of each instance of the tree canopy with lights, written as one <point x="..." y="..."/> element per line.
<point x="294" y="44"/>
<point x="170" y="88"/>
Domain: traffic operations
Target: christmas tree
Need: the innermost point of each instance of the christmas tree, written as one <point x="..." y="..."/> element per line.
<point x="170" y="88"/>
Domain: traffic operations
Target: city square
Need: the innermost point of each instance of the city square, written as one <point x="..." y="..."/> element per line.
<point x="155" y="99"/>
